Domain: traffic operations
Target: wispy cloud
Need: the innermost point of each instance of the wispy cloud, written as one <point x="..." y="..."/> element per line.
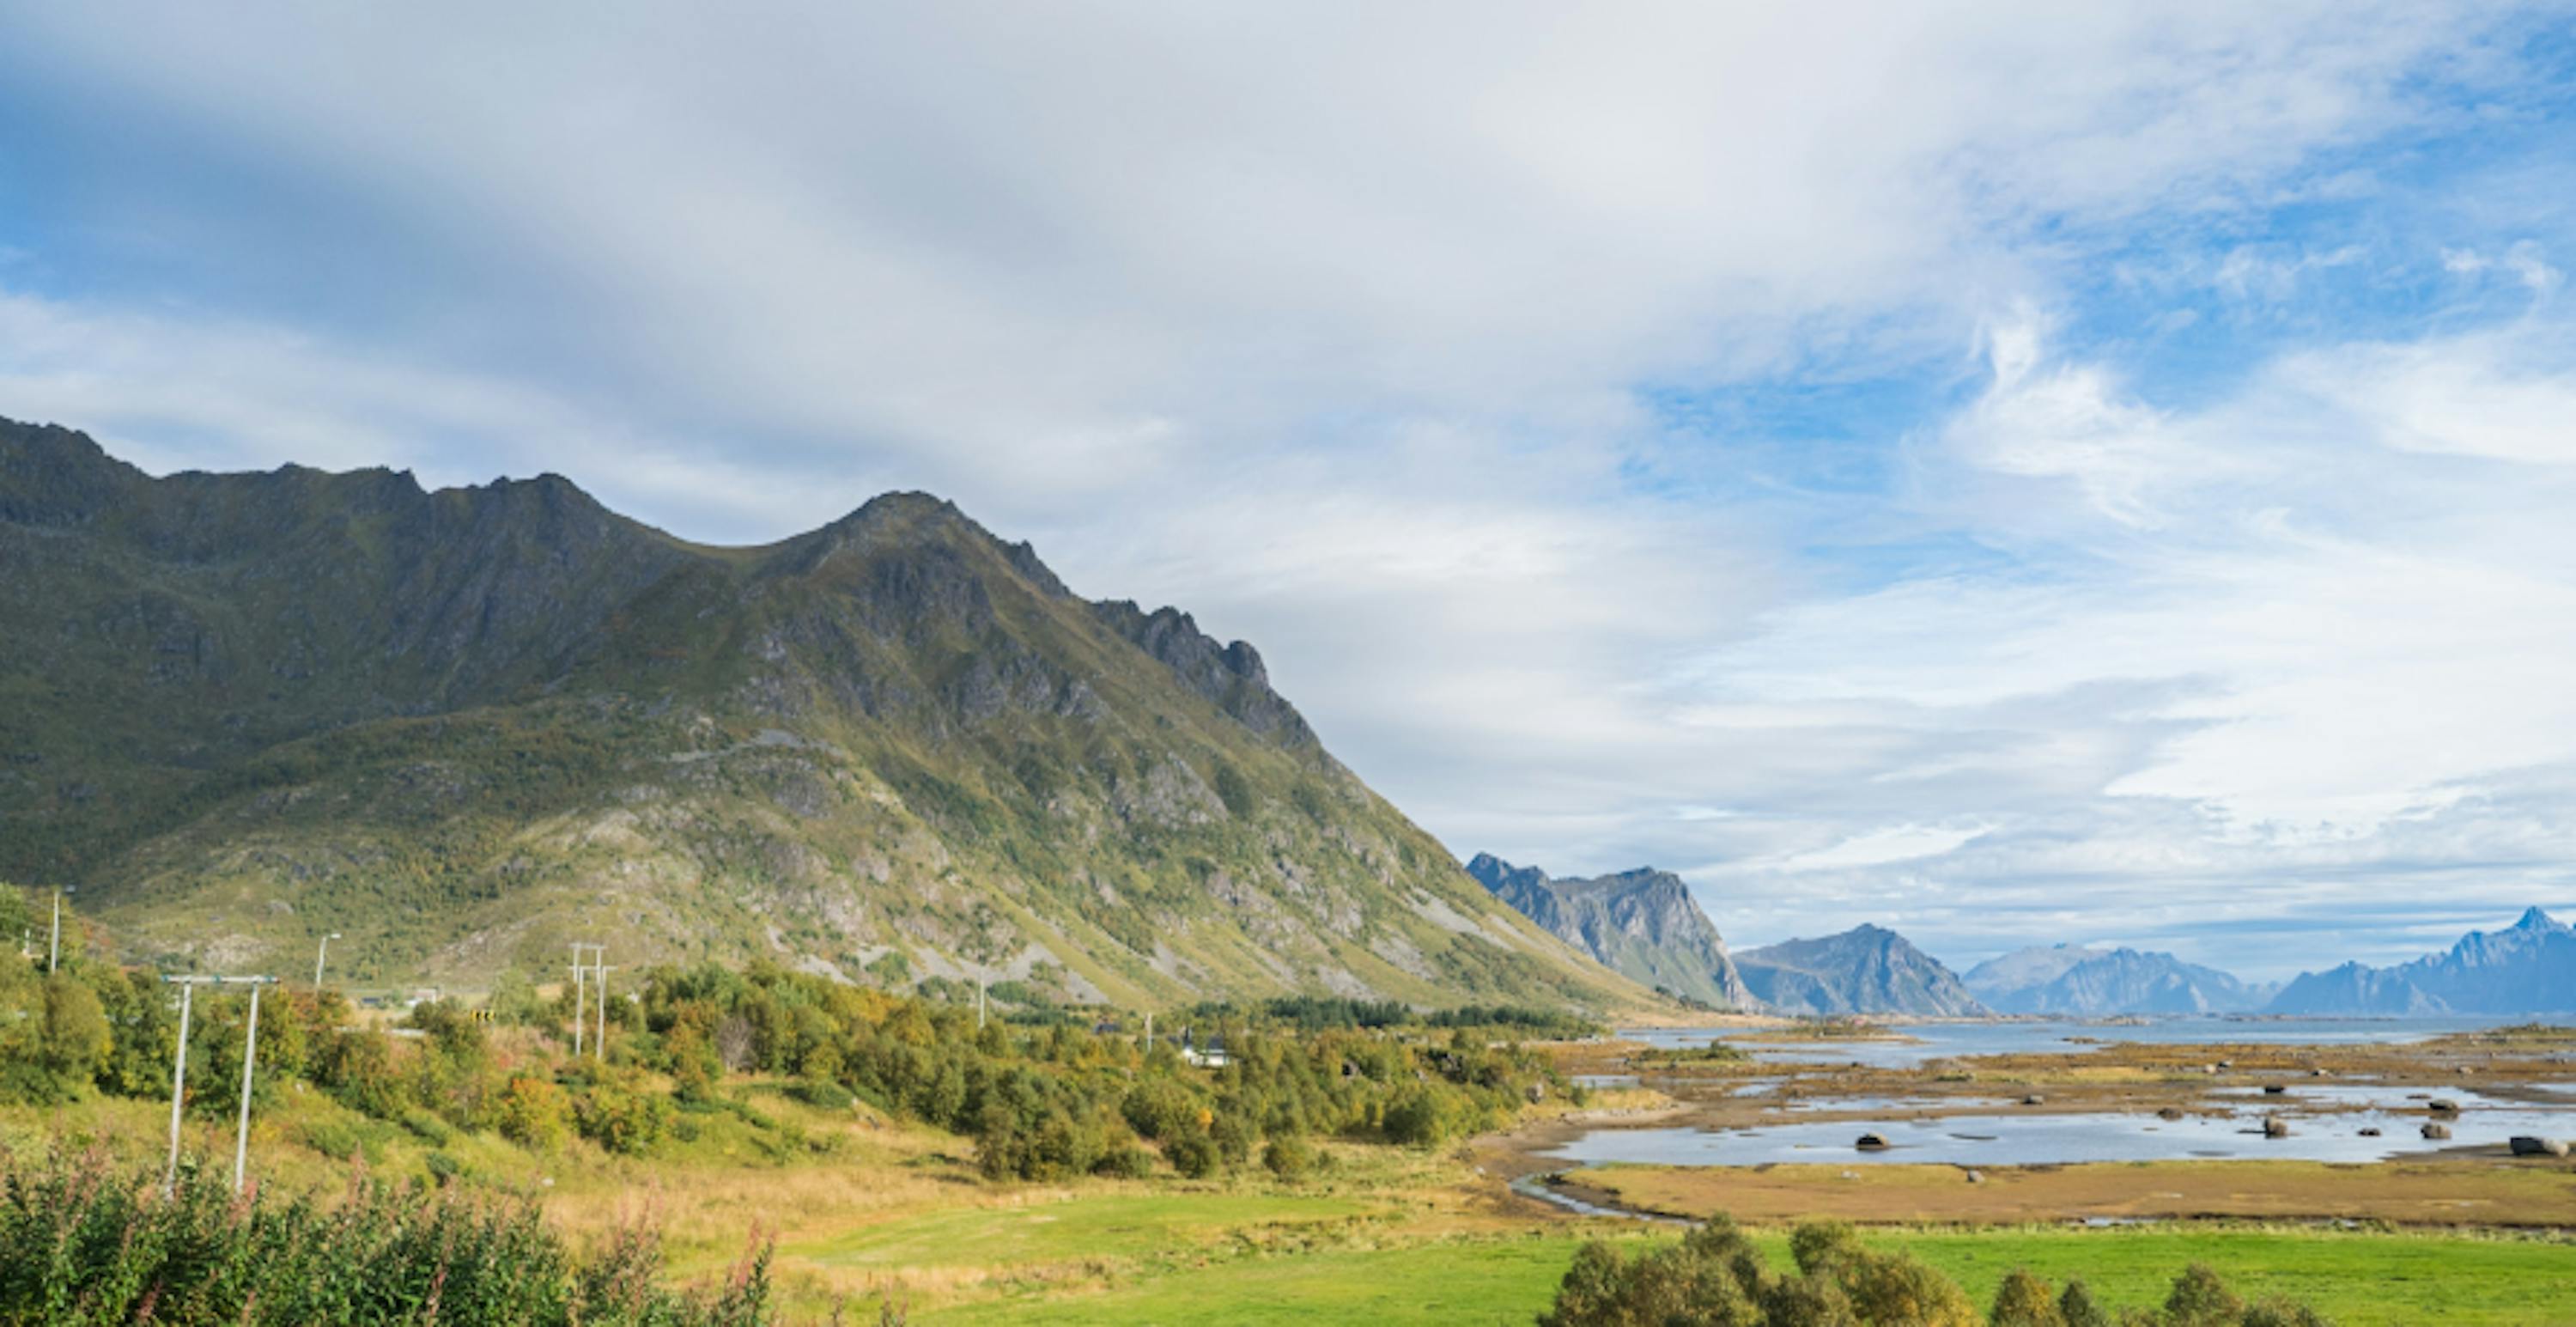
<point x="1926" y="466"/>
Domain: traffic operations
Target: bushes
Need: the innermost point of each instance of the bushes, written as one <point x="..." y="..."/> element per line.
<point x="622" y="1116"/>
<point x="1288" y="1158"/>
<point x="533" y="1112"/>
<point x="81" y="1243"/>
<point x="1716" y="1276"/>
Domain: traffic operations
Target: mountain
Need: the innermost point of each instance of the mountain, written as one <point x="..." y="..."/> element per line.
<point x="2065" y="979"/>
<point x="2527" y="968"/>
<point x="465" y="728"/>
<point x="1865" y="970"/>
<point x="1640" y="923"/>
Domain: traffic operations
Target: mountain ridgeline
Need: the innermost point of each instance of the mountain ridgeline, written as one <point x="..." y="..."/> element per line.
<point x="1865" y="970"/>
<point x="2527" y="968"/>
<point x="2069" y="979"/>
<point x="468" y="727"/>
<point x="1640" y="923"/>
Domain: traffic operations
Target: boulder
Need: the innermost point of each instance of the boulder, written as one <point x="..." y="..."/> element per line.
<point x="2273" y="1089"/>
<point x="2170" y="1113"/>
<point x="2371" y="1131"/>
<point x="2539" y="1147"/>
<point x="2275" y="1127"/>
<point x="1872" y="1142"/>
<point x="2442" y="1106"/>
<point x="2436" y="1129"/>
<point x="2034" y="1099"/>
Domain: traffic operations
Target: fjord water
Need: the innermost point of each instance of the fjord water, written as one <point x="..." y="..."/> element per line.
<point x="2035" y="1138"/>
<point x="2326" y="1119"/>
<point x="1921" y="1042"/>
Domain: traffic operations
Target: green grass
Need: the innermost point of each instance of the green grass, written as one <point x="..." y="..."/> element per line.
<point x="1124" y="1225"/>
<point x="2358" y="1279"/>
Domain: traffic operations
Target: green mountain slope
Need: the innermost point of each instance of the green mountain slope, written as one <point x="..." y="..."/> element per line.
<point x="468" y="727"/>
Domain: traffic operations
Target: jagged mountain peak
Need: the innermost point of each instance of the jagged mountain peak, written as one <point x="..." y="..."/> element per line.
<point x="463" y="726"/>
<point x="1641" y="922"/>
<point x="2526" y="968"/>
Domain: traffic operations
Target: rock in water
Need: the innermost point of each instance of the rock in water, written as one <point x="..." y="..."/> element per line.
<point x="2275" y="1127"/>
<point x="2437" y="1129"/>
<point x="1872" y="1142"/>
<point x="2539" y="1147"/>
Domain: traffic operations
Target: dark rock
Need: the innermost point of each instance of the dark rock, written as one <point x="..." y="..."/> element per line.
<point x="1642" y="923"/>
<point x="2370" y="1131"/>
<point x="2170" y="1113"/>
<point x="2436" y="1129"/>
<point x="2273" y="1089"/>
<point x="1871" y="1142"/>
<point x="2527" y="1146"/>
<point x="2275" y="1127"/>
<point x="2443" y="1106"/>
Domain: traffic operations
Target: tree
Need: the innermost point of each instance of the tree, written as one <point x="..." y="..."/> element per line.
<point x="533" y="1112"/>
<point x="2077" y="1306"/>
<point x="77" y="1040"/>
<point x="2201" y="1299"/>
<point x="2024" y="1301"/>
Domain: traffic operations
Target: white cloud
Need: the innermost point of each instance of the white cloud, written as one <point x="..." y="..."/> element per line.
<point x="1331" y="323"/>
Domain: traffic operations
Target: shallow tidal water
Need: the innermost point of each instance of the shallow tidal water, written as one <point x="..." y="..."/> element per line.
<point x="1933" y="1041"/>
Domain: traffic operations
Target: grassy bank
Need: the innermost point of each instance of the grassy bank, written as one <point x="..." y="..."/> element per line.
<point x="2359" y="1279"/>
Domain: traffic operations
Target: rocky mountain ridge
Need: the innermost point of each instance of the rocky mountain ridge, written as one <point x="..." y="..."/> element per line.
<point x="1639" y="923"/>
<point x="1866" y="970"/>
<point x="2093" y="983"/>
<point x="2526" y="968"/>
<point x="467" y="726"/>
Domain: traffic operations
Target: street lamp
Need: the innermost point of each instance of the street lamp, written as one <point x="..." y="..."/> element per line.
<point x="318" y="954"/>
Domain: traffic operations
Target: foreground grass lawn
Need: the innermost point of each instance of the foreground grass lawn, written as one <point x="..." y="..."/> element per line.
<point x="2359" y="1279"/>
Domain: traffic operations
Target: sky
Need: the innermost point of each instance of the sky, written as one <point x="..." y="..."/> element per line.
<point x="2013" y="472"/>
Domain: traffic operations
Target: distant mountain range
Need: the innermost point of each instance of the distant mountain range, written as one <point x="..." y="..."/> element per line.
<point x="2068" y="979"/>
<point x="466" y="727"/>
<point x="1865" y="970"/>
<point x="2527" y="968"/>
<point x="1639" y="923"/>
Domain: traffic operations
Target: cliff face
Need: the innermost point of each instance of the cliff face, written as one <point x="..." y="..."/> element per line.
<point x="1642" y="924"/>
<point x="2527" y="968"/>
<point x="465" y="727"/>
<point x="1865" y="970"/>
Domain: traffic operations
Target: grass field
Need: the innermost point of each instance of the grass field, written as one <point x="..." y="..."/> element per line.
<point x="2358" y="1279"/>
<point x="874" y="1207"/>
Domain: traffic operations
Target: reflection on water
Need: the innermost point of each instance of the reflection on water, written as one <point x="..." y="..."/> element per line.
<point x="1932" y="1041"/>
<point x="2039" y="1139"/>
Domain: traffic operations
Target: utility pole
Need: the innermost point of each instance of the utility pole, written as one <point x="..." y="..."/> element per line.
<point x="318" y="955"/>
<point x="250" y="1058"/>
<point x="580" y="1000"/>
<point x="179" y="1073"/>
<point x="178" y="1086"/>
<point x="54" y="955"/>
<point x="1149" y="1032"/>
<point x="599" y="1048"/>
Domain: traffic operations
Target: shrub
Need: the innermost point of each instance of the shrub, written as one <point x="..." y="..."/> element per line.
<point x="1192" y="1153"/>
<point x="1716" y="1276"/>
<point x="1288" y="1158"/>
<point x="822" y="1094"/>
<point x="622" y="1118"/>
<point x="2024" y="1301"/>
<point x="83" y="1243"/>
<point x="533" y="1112"/>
